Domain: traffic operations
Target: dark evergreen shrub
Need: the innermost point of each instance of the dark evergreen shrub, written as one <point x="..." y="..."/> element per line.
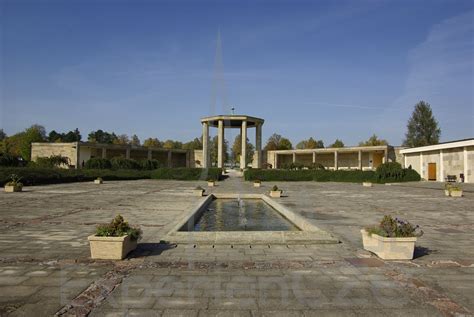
<point x="98" y="163"/>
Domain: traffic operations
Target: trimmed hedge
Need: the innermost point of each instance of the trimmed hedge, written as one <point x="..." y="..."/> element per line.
<point x="353" y="176"/>
<point x="39" y="176"/>
<point x="98" y="163"/>
<point x="184" y="173"/>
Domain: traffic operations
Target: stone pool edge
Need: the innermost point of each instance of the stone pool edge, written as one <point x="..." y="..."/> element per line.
<point x="309" y="234"/>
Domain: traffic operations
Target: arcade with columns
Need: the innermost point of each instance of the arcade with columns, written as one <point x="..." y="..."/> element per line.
<point x="222" y="122"/>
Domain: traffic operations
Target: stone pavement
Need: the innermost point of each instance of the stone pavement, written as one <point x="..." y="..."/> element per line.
<point x="45" y="266"/>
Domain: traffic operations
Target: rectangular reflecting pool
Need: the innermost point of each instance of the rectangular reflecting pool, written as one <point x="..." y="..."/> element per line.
<point x="241" y="215"/>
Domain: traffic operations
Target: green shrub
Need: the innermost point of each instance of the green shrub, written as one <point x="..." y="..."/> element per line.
<point x="183" y="173"/>
<point x="395" y="228"/>
<point x="118" y="228"/>
<point x="123" y="163"/>
<point x="308" y="175"/>
<point x="39" y="176"/>
<point x="52" y="161"/>
<point x="393" y="172"/>
<point x="98" y="163"/>
<point x="150" y="164"/>
<point x="9" y="160"/>
<point x="317" y="175"/>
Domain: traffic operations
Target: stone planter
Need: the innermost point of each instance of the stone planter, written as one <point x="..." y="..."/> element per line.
<point x="211" y="184"/>
<point x="389" y="248"/>
<point x="276" y="193"/>
<point x="98" y="181"/>
<point x="13" y="188"/>
<point x="111" y="248"/>
<point x="455" y="193"/>
<point x="257" y="184"/>
<point x="367" y="184"/>
<point x="446" y="192"/>
<point x="198" y="192"/>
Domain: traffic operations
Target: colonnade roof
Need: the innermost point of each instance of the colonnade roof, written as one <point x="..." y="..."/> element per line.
<point x="232" y="121"/>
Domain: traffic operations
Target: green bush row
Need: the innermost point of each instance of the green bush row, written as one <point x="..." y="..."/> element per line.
<point x="39" y="176"/>
<point x="122" y="163"/>
<point x="385" y="173"/>
<point x="187" y="173"/>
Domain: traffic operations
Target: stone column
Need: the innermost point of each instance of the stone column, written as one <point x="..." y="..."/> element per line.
<point x="314" y="157"/>
<point x="104" y="153"/>
<point x="170" y="163"/>
<point x="258" y="144"/>
<point x="205" y="145"/>
<point x="421" y="166"/>
<point x="360" y="160"/>
<point x="466" y="177"/>
<point x="275" y="161"/>
<point x="149" y="155"/>
<point x="335" y="160"/>
<point x="127" y="153"/>
<point x="385" y="156"/>
<point x="220" y="144"/>
<point x="243" y="157"/>
<point x="441" y="166"/>
<point x="294" y="158"/>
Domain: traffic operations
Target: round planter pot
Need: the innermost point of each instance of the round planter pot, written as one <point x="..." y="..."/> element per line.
<point x="13" y="189"/>
<point x="257" y="184"/>
<point x="276" y="193"/>
<point x="367" y="184"/>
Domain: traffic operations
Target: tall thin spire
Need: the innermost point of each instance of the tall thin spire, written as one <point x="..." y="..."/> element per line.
<point x="219" y="95"/>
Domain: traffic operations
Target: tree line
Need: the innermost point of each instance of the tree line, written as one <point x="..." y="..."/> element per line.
<point x="422" y="129"/>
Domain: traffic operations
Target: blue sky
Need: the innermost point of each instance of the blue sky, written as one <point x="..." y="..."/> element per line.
<point x="326" y="69"/>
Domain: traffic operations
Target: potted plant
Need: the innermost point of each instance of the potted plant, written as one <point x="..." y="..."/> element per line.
<point x="211" y="182"/>
<point x="275" y="192"/>
<point x="447" y="189"/>
<point x="455" y="191"/>
<point x="198" y="191"/>
<point x="98" y="180"/>
<point x="392" y="239"/>
<point x="14" y="185"/>
<point x="257" y="183"/>
<point x="115" y="240"/>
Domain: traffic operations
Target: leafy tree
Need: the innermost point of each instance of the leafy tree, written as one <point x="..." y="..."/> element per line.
<point x="72" y="136"/>
<point x="237" y="150"/>
<point x="170" y="144"/>
<point x="277" y="142"/>
<point x="195" y="144"/>
<point x="153" y="142"/>
<point x="2" y="135"/>
<point x="121" y="139"/>
<point x="101" y="136"/>
<point x="310" y="144"/>
<point x="337" y="143"/>
<point x="20" y="144"/>
<point x="373" y="141"/>
<point x="422" y="128"/>
<point x="214" y="148"/>
<point x="135" y="140"/>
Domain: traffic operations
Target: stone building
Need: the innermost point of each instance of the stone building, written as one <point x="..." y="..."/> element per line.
<point x="436" y="162"/>
<point x="80" y="152"/>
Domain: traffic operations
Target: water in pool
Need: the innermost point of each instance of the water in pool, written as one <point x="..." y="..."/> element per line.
<point x="242" y="215"/>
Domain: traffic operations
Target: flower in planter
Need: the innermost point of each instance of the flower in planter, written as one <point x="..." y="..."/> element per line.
<point x="199" y="188"/>
<point x="15" y="181"/>
<point x="257" y="181"/>
<point x="118" y="228"/>
<point x="395" y="228"/>
<point x="99" y="179"/>
<point x="276" y="189"/>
